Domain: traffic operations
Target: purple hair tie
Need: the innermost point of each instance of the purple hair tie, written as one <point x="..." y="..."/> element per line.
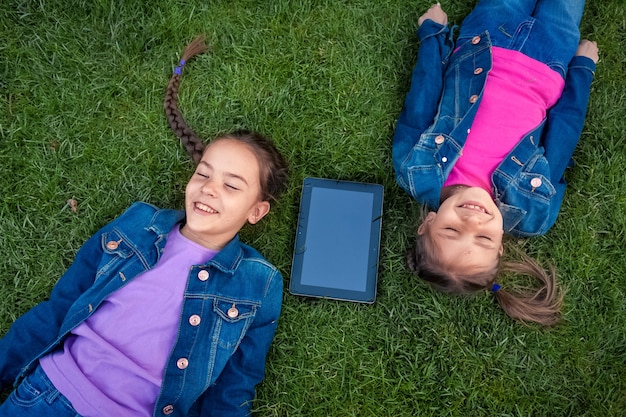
<point x="495" y="287"/>
<point x="179" y="69"/>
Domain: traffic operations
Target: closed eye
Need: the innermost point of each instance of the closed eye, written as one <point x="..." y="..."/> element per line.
<point x="485" y="237"/>
<point x="232" y="187"/>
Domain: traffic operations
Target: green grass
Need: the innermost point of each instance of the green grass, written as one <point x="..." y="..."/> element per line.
<point x="81" y="117"/>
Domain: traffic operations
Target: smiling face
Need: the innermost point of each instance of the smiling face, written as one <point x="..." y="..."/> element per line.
<point x="223" y="194"/>
<point x="466" y="232"/>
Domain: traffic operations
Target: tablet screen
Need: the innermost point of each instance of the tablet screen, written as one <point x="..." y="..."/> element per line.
<point x="337" y="240"/>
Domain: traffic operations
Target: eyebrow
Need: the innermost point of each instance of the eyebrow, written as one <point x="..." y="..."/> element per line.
<point x="487" y="246"/>
<point x="228" y="174"/>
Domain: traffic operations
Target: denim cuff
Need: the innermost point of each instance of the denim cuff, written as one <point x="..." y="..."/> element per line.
<point x="582" y="62"/>
<point x="431" y="28"/>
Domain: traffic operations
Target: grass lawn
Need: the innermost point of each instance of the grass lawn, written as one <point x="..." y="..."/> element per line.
<point x="81" y="118"/>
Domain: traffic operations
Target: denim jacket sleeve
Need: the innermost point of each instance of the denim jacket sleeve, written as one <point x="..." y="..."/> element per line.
<point x="38" y="328"/>
<point x="565" y="120"/>
<point x="422" y="100"/>
<point x="234" y="390"/>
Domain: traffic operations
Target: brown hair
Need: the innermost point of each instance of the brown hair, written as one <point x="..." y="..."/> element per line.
<point x="192" y="143"/>
<point x="541" y="304"/>
<point x="273" y="167"/>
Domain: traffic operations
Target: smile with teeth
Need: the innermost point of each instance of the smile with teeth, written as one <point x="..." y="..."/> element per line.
<point x="474" y="207"/>
<point x="205" y="208"/>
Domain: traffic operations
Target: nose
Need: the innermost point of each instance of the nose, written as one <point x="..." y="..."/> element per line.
<point x="208" y="188"/>
<point x="473" y="220"/>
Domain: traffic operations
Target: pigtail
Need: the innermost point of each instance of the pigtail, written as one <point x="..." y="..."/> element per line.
<point x="541" y="304"/>
<point x="190" y="140"/>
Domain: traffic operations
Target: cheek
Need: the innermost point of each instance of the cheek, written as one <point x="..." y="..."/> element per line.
<point x="189" y="192"/>
<point x="192" y="185"/>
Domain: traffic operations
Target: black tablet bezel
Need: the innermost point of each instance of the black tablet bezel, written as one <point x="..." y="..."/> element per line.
<point x="296" y="287"/>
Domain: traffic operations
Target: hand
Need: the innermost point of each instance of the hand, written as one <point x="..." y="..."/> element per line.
<point x="436" y="14"/>
<point x="589" y="49"/>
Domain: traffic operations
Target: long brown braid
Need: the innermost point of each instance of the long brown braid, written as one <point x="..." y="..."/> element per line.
<point x="190" y="140"/>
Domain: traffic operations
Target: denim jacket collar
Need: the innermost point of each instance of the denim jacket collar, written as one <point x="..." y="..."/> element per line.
<point x="162" y="221"/>
<point x="226" y="260"/>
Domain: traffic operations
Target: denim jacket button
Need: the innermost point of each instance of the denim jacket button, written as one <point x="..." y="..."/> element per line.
<point x="478" y="71"/>
<point x="444" y="159"/>
<point x="439" y="139"/>
<point x="476" y="40"/>
<point x="112" y="245"/>
<point x="473" y="99"/>
<point x="182" y="363"/>
<point x="233" y="312"/>
<point x="194" y="320"/>
<point x="168" y="409"/>
<point x="203" y="275"/>
<point x="536" y="182"/>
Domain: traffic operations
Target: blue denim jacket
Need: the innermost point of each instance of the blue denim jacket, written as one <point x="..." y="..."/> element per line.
<point x="439" y="110"/>
<point x="226" y="356"/>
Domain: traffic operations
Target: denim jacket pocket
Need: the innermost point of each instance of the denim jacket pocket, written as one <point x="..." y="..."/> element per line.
<point x="532" y="192"/>
<point x="534" y="180"/>
<point x="115" y="251"/>
<point x="535" y="186"/>
<point x="430" y="142"/>
<point x="423" y="169"/>
<point x="424" y="184"/>
<point x="235" y="318"/>
<point x="114" y="244"/>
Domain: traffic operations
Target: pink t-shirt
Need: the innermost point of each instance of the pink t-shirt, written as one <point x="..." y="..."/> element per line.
<point x="518" y="92"/>
<point x="112" y="364"/>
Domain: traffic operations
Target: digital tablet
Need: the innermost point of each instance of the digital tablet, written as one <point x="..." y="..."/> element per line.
<point x="337" y="240"/>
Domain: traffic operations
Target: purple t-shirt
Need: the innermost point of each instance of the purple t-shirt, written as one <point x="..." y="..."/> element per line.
<point x="112" y="364"/>
<point x="518" y="92"/>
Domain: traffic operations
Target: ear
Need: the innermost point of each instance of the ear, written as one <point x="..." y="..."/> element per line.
<point x="429" y="219"/>
<point x="259" y="211"/>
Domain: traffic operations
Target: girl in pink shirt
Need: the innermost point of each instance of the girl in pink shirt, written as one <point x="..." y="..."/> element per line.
<point x="488" y="128"/>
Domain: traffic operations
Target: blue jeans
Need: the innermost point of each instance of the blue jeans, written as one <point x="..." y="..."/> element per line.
<point x="545" y="30"/>
<point x="37" y="397"/>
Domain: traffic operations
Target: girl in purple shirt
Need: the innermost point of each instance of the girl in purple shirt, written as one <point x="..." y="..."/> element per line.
<point x="163" y="312"/>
